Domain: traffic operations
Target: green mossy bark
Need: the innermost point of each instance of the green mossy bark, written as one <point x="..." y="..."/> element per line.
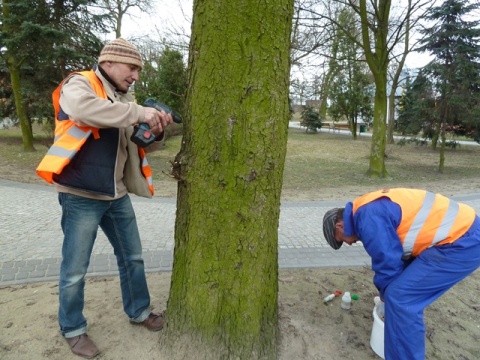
<point x="377" y="167"/>
<point x="376" y="55"/>
<point x="224" y="289"/>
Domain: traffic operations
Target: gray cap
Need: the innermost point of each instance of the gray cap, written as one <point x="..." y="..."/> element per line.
<point x="329" y="228"/>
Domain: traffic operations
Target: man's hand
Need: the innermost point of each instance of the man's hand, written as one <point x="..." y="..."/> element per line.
<point x="157" y="120"/>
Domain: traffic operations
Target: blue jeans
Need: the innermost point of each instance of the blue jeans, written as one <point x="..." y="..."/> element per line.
<point x="81" y="218"/>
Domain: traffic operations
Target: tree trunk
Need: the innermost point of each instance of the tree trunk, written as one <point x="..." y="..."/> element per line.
<point x="378" y="64"/>
<point x="223" y="296"/>
<point x="353" y="124"/>
<point x="441" y="163"/>
<point x="377" y="151"/>
<point x="391" y="115"/>
<point x="13" y="65"/>
<point x="443" y="137"/>
<point x="435" y="136"/>
<point x="25" y="125"/>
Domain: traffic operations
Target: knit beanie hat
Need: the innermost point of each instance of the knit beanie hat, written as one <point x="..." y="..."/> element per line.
<point x="329" y="221"/>
<point x="121" y="51"/>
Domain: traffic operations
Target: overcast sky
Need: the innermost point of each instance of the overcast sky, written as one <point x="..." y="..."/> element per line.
<point x="178" y="14"/>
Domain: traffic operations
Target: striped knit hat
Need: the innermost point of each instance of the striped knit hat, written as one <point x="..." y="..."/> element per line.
<point x="121" y="51"/>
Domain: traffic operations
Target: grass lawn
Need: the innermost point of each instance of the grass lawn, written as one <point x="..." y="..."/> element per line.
<point x="314" y="162"/>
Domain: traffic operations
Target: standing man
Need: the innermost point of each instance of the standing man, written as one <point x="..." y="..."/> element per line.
<point x="421" y="244"/>
<point x="94" y="166"/>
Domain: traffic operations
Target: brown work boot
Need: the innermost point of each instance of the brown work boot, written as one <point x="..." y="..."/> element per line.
<point x="154" y="322"/>
<point x="81" y="345"/>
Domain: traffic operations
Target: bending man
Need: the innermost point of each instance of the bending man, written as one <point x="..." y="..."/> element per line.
<point x="421" y="244"/>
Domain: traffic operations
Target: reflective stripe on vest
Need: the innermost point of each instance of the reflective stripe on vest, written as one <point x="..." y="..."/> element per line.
<point x="428" y="219"/>
<point x="60" y="149"/>
<point x="69" y="137"/>
<point x="146" y="169"/>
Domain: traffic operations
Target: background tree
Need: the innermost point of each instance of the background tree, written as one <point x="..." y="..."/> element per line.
<point x="223" y="296"/>
<point x="316" y="57"/>
<point x="417" y="107"/>
<point x="377" y="41"/>
<point x="298" y="91"/>
<point x="331" y="72"/>
<point x="163" y="77"/>
<point x="374" y="27"/>
<point x="399" y="63"/>
<point x="14" y="59"/>
<point x="43" y="41"/>
<point x="308" y="36"/>
<point x="311" y="119"/>
<point x="407" y="19"/>
<point x="117" y="9"/>
<point x="455" y="69"/>
<point x="350" y="91"/>
<point x="7" y="101"/>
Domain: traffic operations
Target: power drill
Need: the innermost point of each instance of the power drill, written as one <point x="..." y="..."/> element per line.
<point x="142" y="136"/>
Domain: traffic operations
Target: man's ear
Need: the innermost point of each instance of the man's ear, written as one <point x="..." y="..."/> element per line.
<point x="339" y="225"/>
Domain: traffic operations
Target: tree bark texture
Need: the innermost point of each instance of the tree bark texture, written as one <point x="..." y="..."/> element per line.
<point x="223" y="295"/>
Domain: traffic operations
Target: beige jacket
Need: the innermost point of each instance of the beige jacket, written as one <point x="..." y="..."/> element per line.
<point x="84" y="107"/>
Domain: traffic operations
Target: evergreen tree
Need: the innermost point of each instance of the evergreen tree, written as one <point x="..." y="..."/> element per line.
<point x="311" y="119"/>
<point x="43" y="41"/>
<point x="417" y="107"/>
<point x="454" y="42"/>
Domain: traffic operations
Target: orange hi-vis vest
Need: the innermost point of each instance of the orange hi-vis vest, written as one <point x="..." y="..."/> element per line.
<point x="428" y="219"/>
<point x="70" y="137"/>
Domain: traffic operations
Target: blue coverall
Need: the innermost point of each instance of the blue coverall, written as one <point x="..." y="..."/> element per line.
<point x="409" y="286"/>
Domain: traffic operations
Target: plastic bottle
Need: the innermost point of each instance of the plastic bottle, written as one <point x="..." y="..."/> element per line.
<point x="346" y="301"/>
<point x="328" y="298"/>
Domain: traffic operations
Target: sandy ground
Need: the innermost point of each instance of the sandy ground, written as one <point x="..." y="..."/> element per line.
<point x="309" y="329"/>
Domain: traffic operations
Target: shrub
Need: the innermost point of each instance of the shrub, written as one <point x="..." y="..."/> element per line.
<point x="311" y="119"/>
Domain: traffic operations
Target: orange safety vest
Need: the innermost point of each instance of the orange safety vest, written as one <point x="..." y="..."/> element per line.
<point x="428" y="219"/>
<point x="70" y="137"/>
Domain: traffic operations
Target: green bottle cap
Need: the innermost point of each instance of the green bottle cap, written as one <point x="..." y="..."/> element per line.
<point x="354" y="297"/>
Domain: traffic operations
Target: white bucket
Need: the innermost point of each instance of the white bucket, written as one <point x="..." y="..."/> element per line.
<point x="376" y="339"/>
